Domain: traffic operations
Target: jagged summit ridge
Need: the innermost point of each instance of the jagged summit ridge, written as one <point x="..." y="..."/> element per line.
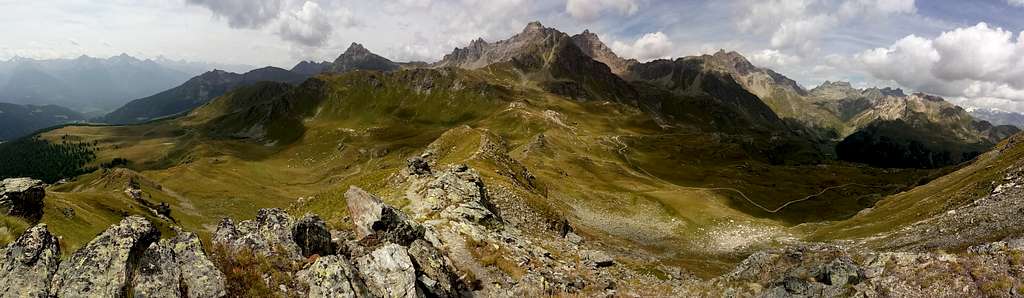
<point x="592" y="45"/>
<point x="357" y="57"/>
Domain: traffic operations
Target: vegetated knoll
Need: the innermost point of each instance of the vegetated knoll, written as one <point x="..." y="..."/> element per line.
<point x="194" y="93"/>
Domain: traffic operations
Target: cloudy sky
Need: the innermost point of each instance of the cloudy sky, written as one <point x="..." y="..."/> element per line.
<point x="971" y="52"/>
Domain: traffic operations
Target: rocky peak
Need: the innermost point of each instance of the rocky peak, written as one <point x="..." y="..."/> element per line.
<point x="928" y="97"/>
<point x="534" y="38"/>
<point x="533" y="27"/>
<point x="835" y="90"/>
<point x="592" y="46"/>
<point x="731" y="61"/>
<point x="357" y="57"/>
<point x="356" y="49"/>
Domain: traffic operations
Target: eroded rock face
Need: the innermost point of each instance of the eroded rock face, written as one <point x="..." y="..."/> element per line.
<point x="178" y="267"/>
<point x="376" y="222"/>
<point x="389" y="272"/>
<point x="29" y="263"/>
<point x="312" y="236"/>
<point x="435" y="275"/>
<point x="158" y="273"/>
<point x="22" y="197"/>
<point x="333" y="276"/>
<point x="104" y="267"/>
<point x="269" y="232"/>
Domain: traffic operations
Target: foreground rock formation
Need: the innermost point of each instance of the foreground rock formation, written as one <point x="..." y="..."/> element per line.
<point x="22" y="197"/>
<point x="450" y="241"/>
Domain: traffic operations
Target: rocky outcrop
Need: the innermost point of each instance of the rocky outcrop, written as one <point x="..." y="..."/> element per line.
<point x="28" y="264"/>
<point x="389" y="272"/>
<point x="22" y="197"/>
<point x="376" y="222"/>
<point x="105" y="266"/>
<point x="458" y="193"/>
<point x="357" y="57"/>
<point x="333" y="276"/>
<point x="275" y="232"/>
<point x="178" y="267"/>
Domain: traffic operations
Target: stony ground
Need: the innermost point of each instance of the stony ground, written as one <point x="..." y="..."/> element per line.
<point x="458" y="237"/>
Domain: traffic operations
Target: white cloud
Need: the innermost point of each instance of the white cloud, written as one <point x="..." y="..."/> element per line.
<point x="798" y="24"/>
<point x="978" y="62"/>
<point x="244" y="13"/>
<point x="648" y="47"/>
<point x="854" y="8"/>
<point x="309" y="25"/>
<point x="302" y="22"/>
<point x="1019" y="3"/>
<point x="773" y="59"/>
<point x="589" y="10"/>
<point x="980" y="53"/>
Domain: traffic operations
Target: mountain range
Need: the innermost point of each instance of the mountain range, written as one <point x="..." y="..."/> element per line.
<point x="541" y="164"/>
<point x="998" y="117"/>
<point x="84" y="84"/>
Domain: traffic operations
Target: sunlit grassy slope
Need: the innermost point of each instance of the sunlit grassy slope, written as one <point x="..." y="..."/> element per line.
<point x="682" y="191"/>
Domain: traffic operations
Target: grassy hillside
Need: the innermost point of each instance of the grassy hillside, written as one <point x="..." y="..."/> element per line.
<point x="616" y="171"/>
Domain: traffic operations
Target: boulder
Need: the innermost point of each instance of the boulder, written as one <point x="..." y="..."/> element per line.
<point x="436" y="276"/>
<point x="104" y="266"/>
<point x="29" y="263"/>
<point x="599" y="258"/>
<point x="178" y="267"/>
<point x="312" y="236"/>
<point x="270" y="233"/>
<point x="333" y="276"/>
<point x="22" y="197"/>
<point x="376" y="222"/>
<point x="389" y="272"/>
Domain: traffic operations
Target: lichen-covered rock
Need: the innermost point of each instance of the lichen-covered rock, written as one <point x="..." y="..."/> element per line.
<point x="458" y="193"/>
<point x="200" y="276"/>
<point x="268" y="233"/>
<point x="435" y="274"/>
<point x="29" y="263"/>
<point x="158" y="273"/>
<point x="22" y="197"/>
<point x="178" y="267"/>
<point x="376" y="222"/>
<point x="103" y="267"/>
<point x="312" y="236"/>
<point x="389" y="272"/>
<point x="333" y="276"/>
